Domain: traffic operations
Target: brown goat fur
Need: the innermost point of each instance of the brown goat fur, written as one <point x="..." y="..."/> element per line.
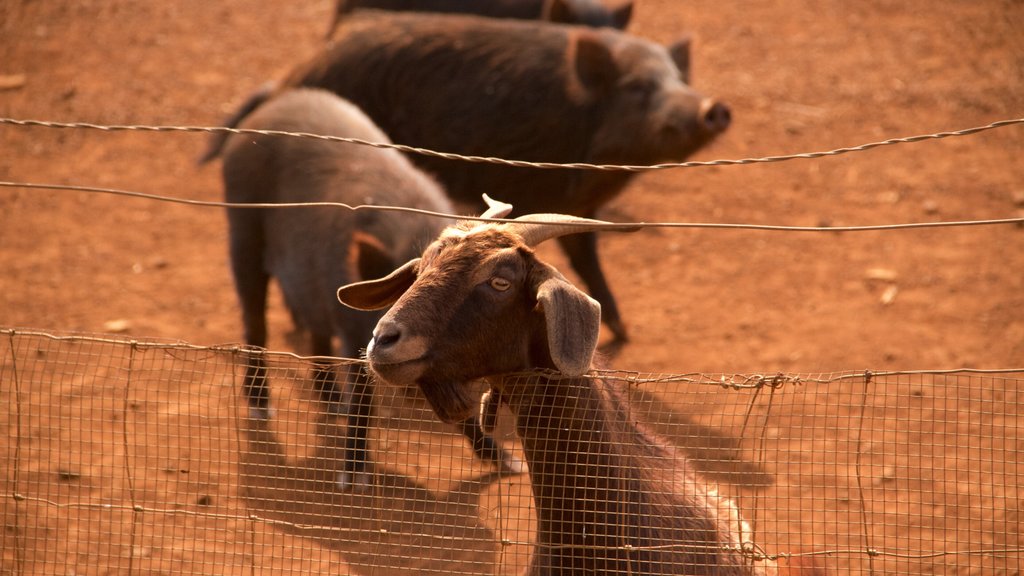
<point x="610" y="497"/>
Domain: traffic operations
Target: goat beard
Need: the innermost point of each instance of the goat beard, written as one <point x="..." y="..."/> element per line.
<point x="450" y="400"/>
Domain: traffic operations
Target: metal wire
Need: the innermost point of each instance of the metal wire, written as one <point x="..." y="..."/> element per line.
<point x="518" y="163"/>
<point x="612" y="226"/>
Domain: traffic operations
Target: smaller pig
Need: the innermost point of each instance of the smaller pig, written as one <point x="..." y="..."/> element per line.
<point x="583" y="12"/>
<point x="310" y="250"/>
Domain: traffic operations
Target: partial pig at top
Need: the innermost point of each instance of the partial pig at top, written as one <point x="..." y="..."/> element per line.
<point x="586" y="12"/>
<point x="522" y="91"/>
<point x="309" y="250"/>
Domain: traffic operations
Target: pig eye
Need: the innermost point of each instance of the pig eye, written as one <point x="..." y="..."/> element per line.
<point x="500" y="284"/>
<point x="640" y="87"/>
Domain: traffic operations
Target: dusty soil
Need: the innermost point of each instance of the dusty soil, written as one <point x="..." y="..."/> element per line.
<point x="801" y="76"/>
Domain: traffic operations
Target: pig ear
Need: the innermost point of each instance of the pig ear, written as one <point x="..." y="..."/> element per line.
<point x="380" y="293"/>
<point x="342" y="8"/>
<point x="595" y="65"/>
<point x="622" y="15"/>
<point x="680" y="52"/>
<point x="572" y="318"/>
<point x="559" y="12"/>
<point x="368" y="257"/>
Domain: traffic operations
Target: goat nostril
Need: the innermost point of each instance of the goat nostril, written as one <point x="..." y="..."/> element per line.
<point x="716" y="117"/>
<point x="386" y="334"/>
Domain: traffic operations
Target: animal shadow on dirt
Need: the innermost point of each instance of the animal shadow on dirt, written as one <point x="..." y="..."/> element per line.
<point x="397" y="525"/>
<point x="403" y="525"/>
<point x="717" y="455"/>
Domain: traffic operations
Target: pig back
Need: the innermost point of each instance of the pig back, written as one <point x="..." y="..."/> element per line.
<point x="308" y="249"/>
<point x="587" y="12"/>
<point x="468" y="85"/>
<point x="536" y="92"/>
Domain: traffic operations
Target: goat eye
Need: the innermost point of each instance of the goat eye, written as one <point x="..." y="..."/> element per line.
<point x="500" y="284"/>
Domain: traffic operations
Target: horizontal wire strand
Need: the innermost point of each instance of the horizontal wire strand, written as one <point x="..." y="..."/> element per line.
<point x="516" y="163"/>
<point x="610" y="226"/>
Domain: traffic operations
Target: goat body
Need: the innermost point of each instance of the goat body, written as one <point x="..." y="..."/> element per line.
<point x="610" y="498"/>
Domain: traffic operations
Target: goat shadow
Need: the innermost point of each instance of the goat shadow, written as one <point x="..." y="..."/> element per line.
<point x="394" y="526"/>
<point x="714" y="454"/>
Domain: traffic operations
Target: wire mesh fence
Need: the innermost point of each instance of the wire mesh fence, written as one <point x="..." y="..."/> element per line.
<point x="132" y="456"/>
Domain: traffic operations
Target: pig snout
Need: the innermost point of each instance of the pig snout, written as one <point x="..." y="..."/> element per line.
<point x="689" y="123"/>
<point x="714" y="117"/>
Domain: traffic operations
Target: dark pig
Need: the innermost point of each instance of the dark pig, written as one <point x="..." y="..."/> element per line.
<point x="585" y="12"/>
<point x="523" y="91"/>
<point x="309" y="251"/>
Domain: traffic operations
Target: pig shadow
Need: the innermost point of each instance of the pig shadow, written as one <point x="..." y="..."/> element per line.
<point x="394" y="526"/>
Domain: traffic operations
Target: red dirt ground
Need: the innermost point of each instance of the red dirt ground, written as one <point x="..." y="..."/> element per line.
<point x="801" y="76"/>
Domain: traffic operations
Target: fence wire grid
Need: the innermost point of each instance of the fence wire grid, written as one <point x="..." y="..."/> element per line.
<point x="137" y="456"/>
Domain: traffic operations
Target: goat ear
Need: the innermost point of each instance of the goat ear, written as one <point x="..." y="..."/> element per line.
<point x="572" y="318"/>
<point x="380" y="293"/>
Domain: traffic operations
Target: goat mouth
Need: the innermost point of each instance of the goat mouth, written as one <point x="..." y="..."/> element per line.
<point x="450" y="401"/>
<point x="402" y="373"/>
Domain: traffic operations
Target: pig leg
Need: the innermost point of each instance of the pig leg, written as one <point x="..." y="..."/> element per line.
<point x="358" y="406"/>
<point x="255" y="387"/>
<point x="251" y="283"/>
<point x="324" y="379"/>
<point x="582" y="252"/>
<point x="325" y="383"/>
<point x="487" y="448"/>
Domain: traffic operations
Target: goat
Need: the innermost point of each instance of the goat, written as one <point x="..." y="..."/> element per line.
<point x="311" y="250"/>
<point x="479" y="304"/>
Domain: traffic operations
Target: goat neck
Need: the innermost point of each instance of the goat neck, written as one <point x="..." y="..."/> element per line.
<point x="611" y="498"/>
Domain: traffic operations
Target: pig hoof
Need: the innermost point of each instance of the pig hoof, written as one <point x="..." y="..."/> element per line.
<point x="512" y="465"/>
<point x="612" y="347"/>
<point x="260" y="413"/>
<point x="618" y="330"/>
<point x="336" y="409"/>
<point x="357" y="482"/>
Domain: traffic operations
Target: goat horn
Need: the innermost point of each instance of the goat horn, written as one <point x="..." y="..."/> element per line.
<point x="495" y="208"/>
<point x="536" y="228"/>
